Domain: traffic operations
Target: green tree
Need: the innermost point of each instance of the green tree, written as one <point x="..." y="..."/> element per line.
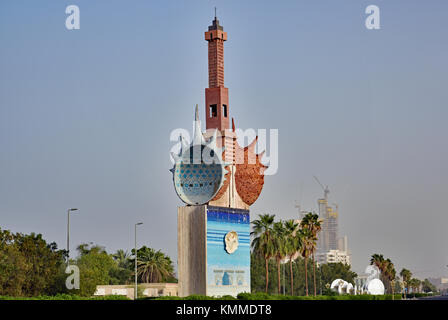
<point x="95" y="268"/>
<point x="306" y="250"/>
<point x="332" y="271"/>
<point x="28" y="264"/>
<point x="280" y="247"/>
<point x="13" y="265"/>
<point x="414" y="283"/>
<point x="123" y="259"/>
<point x="378" y="261"/>
<point x="406" y="275"/>
<point x="289" y="240"/>
<point x="325" y="274"/>
<point x="427" y="286"/>
<point x="122" y="274"/>
<point x="263" y="242"/>
<point x="312" y="222"/>
<point x="293" y="244"/>
<point x="387" y="271"/>
<point x="153" y="266"/>
<point x="390" y="275"/>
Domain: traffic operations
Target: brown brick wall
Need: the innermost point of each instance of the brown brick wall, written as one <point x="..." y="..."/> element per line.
<point x="216" y="63"/>
<point x="218" y="96"/>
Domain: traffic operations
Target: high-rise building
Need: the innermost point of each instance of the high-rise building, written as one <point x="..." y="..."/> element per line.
<point x="333" y="256"/>
<point x="332" y="218"/>
<point x="343" y="243"/>
<point x="328" y="237"/>
<point x="330" y="247"/>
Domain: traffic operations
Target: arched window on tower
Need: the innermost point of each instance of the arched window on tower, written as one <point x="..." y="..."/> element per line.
<point x="224" y="110"/>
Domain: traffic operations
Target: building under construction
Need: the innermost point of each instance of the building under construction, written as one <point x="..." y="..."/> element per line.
<point x="328" y="239"/>
<point x="329" y="243"/>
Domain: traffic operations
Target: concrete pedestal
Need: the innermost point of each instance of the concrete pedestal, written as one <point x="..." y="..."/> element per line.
<point x="213" y="250"/>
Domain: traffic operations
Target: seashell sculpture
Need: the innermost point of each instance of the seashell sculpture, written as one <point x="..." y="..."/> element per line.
<point x="200" y="174"/>
<point x="199" y="171"/>
<point x="231" y="240"/>
<point x="249" y="175"/>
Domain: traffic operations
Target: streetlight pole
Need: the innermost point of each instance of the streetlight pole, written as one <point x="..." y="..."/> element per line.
<point x="68" y="232"/>
<point x="135" y="257"/>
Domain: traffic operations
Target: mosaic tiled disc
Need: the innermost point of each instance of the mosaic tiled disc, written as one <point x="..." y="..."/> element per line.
<point x="197" y="182"/>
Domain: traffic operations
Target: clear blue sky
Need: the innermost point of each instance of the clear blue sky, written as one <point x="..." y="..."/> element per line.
<point x="85" y="116"/>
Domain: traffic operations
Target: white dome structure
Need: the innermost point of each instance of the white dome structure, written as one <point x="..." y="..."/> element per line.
<point x="375" y="287"/>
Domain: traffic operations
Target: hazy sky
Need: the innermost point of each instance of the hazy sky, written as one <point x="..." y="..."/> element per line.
<point x="85" y="116"/>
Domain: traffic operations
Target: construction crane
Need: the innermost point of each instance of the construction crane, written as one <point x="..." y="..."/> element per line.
<point x="326" y="190"/>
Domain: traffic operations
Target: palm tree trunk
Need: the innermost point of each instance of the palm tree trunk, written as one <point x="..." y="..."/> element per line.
<point x="267" y="274"/>
<point x="278" y="274"/>
<point x="393" y="293"/>
<point x="314" y="275"/>
<point x="292" y="278"/>
<point x="306" y="276"/>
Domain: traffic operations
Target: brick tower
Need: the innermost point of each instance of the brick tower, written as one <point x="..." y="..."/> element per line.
<point x="214" y="226"/>
<point x="217" y="113"/>
<point x="216" y="95"/>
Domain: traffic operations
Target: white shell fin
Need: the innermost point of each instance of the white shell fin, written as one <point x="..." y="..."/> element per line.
<point x="198" y="138"/>
<point x="183" y="144"/>
<point x="175" y="156"/>
<point x="212" y="141"/>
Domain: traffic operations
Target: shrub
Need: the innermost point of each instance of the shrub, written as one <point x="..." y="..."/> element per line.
<point x="66" y="297"/>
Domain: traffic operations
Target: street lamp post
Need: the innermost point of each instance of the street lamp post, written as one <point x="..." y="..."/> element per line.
<point x="135" y="258"/>
<point x="68" y="231"/>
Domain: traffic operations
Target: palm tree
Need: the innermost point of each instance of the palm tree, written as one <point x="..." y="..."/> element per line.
<point x="293" y="244"/>
<point x="122" y="258"/>
<point x="280" y="246"/>
<point x="390" y="275"/>
<point x="263" y="243"/>
<point x="153" y="266"/>
<point x="415" y="285"/>
<point x="406" y="275"/>
<point x="306" y="248"/>
<point x="379" y="261"/>
<point x="312" y="222"/>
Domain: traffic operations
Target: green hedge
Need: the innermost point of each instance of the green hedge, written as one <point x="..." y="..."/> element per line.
<point x="192" y="297"/>
<point x="66" y="297"/>
<point x="241" y="296"/>
<point x="264" y="296"/>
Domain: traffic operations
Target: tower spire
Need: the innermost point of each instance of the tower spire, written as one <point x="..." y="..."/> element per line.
<point x="216" y="95"/>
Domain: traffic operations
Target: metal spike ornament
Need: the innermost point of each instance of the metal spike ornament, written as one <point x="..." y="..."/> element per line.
<point x="199" y="170"/>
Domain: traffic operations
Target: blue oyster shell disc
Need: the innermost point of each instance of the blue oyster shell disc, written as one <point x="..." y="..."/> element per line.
<point x="196" y="178"/>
